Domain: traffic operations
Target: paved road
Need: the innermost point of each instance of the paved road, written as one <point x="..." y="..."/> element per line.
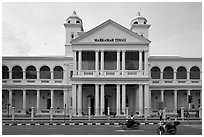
<point x="184" y="129"/>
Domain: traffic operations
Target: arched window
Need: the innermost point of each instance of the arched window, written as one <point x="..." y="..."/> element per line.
<point x="45" y="72"/>
<point x="155" y="73"/>
<point x="31" y="72"/>
<point x="5" y="72"/>
<point x="135" y="22"/>
<point x="58" y="72"/>
<point x="72" y="36"/>
<point x="77" y="21"/>
<point x="17" y="72"/>
<point x="181" y="73"/>
<point x="194" y="73"/>
<point x="168" y="73"/>
<point x="69" y="21"/>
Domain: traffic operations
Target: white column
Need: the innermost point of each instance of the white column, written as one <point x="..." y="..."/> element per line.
<point x="65" y="99"/>
<point x="188" y="74"/>
<point x="118" y="100"/>
<point x="175" y="75"/>
<point x="96" y="62"/>
<point x="123" y="98"/>
<point x="52" y="98"/>
<point x="96" y="99"/>
<point x="146" y="62"/>
<point x="118" y="62"/>
<point x="24" y="74"/>
<point x="79" y="62"/>
<point x="140" y="100"/>
<point x="74" y="63"/>
<point x="74" y="99"/>
<point x="188" y="94"/>
<point x="79" y="100"/>
<point x="123" y="62"/>
<point x="38" y="74"/>
<point x="162" y="95"/>
<point x="175" y="101"/>
<point x="201" y="98"/>
<point x="10" y="75"/>
<point x="52" y="75"/>
<point x="140" y="63"/>
<point x="102" y="99"/>
<point x="146" y="96"/>
<point x="102" y="61"/>
<point x="161" y="74"/>
<point x="10" y="98"/>
<point x="24" y="101"/>
<point x="38" y="101"/>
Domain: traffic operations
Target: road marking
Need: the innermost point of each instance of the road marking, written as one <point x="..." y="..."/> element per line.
<point x="129" y="130"/>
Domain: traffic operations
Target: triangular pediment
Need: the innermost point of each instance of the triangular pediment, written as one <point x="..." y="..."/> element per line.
<point x="110" y="32"/>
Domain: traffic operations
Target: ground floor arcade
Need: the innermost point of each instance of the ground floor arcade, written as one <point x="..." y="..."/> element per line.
<point x="99" y="99"/>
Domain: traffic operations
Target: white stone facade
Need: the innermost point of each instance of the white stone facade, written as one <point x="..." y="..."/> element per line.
<point x="107" y="69"/>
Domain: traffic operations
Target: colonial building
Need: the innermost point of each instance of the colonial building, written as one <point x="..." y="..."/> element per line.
<point x="107" y="69"/>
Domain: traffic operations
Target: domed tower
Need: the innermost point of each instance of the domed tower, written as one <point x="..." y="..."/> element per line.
<point x="139" y="25"/>
<point x="74" y="27"/>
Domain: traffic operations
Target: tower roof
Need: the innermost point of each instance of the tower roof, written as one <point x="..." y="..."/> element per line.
<point x="74" y="15"/>
<point x="139" y="17"/>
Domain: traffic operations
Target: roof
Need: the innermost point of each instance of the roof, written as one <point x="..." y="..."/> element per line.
<point x="173" y="58"/>
<point x="103" y="25"/>
<point x="36" y="58"/>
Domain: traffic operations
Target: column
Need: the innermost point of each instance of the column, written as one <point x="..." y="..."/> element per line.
<point x="79" y="100"/>
<point x="123" y="98"/>
<point x="200" y="98"/>
<point x="188" y="74"/>
<point x="118" y="100"/>
<point x="174" y="75"/>
<point x="52" y="75"/>
<point x="96" y="61"/>
<point x="74" y="62"/>
<point x="161" y="74"/>
<point x="118" y="62"/>
<point x="123" y="62"/>
<point x="79" y="62"/>
<point x="38" y="101"/>
<point x="146" y="97"/>
<point x="140" y="100"/>
<point x="140" y="61"/>
<point x="102" y="61"/>
<point x="188" y="94"/>
<point x="38" y="74"/>
<point x="10" y="100"/>
<point x="24" y="101"/>
<point x="146" y="62"/>
<point x="102" y="99"/>
<point x="175" y="101"/>
<point x="74" y="99"/>
<point x="162" y="95"/>
<point x="96" y="99"/>
<point x="52" y="98"/>
<point x="24" y="74"/>
<point x="65" y="99"/>
<point x="10" y="75"/>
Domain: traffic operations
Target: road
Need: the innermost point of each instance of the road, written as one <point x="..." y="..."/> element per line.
<point x="183" y="129"/>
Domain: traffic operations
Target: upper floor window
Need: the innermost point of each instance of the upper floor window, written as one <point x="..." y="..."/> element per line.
<point x="31" y="72"/>
<point x="45" y="72"/>
<point x="181" y="73"/>
<point x="194" y="73"/>
<point x="17" y="72"/>
<point x="135" y="22"/>
<point x="5" y="72"/>
<point x="155" y="73"/>
<point x="58" y="72"/>
<point x="168" y="73"/>
<point x="77" y="21"/>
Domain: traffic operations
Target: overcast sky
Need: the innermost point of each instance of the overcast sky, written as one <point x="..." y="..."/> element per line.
<point x="36" y="29"/>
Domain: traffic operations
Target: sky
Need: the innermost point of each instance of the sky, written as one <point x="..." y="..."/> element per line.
<point x="36" y="28"/>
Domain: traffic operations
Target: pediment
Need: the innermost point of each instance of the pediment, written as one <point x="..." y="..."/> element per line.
<point x="110" y="32"/>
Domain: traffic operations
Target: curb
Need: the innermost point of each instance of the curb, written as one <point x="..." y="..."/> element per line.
<point x="69" y="124"/>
